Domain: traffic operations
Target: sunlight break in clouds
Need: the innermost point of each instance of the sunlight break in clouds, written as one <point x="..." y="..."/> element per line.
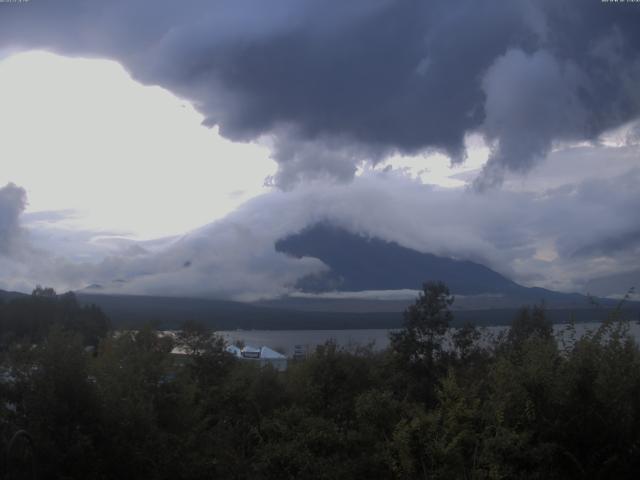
<point x="81" y="135"/>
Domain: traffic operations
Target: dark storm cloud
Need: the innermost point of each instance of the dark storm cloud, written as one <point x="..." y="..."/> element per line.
<point x="581" y="80"/>
<point x="336" y="83"/>
<point x="531" y="100"/>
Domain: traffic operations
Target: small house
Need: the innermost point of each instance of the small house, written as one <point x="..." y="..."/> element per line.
<point x="264" y="355"/>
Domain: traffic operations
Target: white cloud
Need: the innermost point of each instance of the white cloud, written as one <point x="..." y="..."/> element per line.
<point x="81" y="134"/>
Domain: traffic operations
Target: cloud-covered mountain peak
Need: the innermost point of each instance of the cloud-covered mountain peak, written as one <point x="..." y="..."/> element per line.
<point x="359" y="262"/>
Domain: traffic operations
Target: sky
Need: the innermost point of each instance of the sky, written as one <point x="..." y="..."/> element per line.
<point x="163" y="147"/>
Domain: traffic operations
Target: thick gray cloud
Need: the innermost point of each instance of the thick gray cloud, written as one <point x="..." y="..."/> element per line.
<point x="531" y="101"/>
<point x="13" y="200"/>
<point x="617" y="285"/>
<point x="341" y="82"/>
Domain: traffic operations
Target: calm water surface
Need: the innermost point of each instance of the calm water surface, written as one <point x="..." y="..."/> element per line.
<point x="286" y="340"/>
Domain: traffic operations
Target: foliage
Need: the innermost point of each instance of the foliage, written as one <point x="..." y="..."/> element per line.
<point x="439" y="403"/>
<point x="29" y="319"/>
<point x="418" y="348"/>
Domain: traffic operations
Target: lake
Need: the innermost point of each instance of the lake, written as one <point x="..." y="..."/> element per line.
<point x="286" y="340"/>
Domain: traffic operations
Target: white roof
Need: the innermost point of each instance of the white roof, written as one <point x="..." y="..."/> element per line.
<point x="266" y="352"/>
<point x="232" y="349"/>
<point x="262" y="352"/>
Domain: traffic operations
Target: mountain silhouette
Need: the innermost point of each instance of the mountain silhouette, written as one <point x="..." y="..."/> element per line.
<point x="360" y="263"/>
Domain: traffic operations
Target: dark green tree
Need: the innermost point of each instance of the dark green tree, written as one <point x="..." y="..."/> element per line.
<point x="418" y="348"/>
<point x="530" y="321"/>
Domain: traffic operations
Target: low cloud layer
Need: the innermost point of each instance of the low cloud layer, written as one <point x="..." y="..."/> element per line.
<point x="335" y="84"/>
<point x="558" y="231"/>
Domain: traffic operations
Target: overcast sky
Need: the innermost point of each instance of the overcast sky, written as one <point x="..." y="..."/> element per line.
<point x="163" y="147"/>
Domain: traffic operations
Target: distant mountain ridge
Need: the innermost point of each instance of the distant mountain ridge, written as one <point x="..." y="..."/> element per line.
<point x="360" y="263"/>
<point x="6" y="296"/>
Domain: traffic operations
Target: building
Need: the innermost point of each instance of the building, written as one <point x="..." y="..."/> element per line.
<point x="300" y="352"/>
<point x="264" y="355"/>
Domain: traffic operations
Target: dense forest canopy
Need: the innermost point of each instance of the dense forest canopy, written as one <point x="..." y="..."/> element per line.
<point x="30" y="318"/>
<point x="438" y="403"/>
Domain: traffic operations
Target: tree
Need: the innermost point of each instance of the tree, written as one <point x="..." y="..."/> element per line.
<point x="530" y="321"/>
<point x="57" y="403"/>
<point x="29" y="319"/>
<point x="142" y="407"/>
<point x="418" y="347"/>
<point x="208" y="360"/>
